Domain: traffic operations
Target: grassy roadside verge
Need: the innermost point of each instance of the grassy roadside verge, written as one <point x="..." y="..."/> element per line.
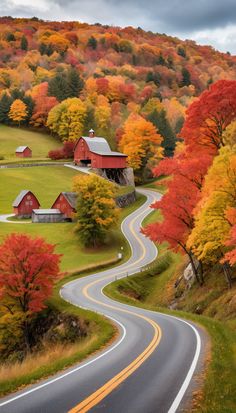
<point x="218" y="392"/>
<point x="101" y="331"/>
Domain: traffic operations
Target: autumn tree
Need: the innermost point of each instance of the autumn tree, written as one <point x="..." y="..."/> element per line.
<point x="43" y="104"/>
<point x="179" y="202"/>
<point x="102" y="115"/>
<point x="212" y="226"/>
<point x="208" y="117"/>
<point x="141" y="143"/>
<point x="229" y="135"/>
<point x="96" y="209"/>
<point x="230" y="243"/>
<point x="28" y="269"/>
<point x="18" y="111"/>
<point x="67" y="118"/>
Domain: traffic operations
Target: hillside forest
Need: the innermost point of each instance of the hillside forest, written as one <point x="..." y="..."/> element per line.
<point x="132" y="87"/>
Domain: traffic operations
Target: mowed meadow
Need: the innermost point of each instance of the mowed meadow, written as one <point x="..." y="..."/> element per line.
<point x="46" y="182"/>
<point x="11" y="138"/>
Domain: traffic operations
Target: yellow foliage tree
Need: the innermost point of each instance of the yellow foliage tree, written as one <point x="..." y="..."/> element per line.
<point x="97" y="212"/>
<point x="141" y="143"/>
<point x="18" y="111"/>
<point x="67" y="118"/>
<point x="212" y="226"/>
<point x="102" y="115"/>
<point x="229" y="135"/>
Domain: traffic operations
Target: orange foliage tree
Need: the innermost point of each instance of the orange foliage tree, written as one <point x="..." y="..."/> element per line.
<point x="141" y="142"/>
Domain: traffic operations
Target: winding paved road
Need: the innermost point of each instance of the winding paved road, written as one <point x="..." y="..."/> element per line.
<point x="147" y="369"/>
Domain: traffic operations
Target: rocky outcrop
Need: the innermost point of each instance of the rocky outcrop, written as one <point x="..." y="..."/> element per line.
<point x="123" y="201"/>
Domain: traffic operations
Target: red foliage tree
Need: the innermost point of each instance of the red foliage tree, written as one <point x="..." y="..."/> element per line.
<point x="28" y="269"/>
<point x="66" y="152"/>
<point x="208" y="117"/>
<point x="102" y="86"/>
<point x="178" y="204"/>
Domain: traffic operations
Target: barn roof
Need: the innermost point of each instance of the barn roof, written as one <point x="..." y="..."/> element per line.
<point x="97" y="144"/>
<point x="71" y="197"/>
<point x="111" y="153"/>
<point x="21" y="148"/>
<point x="49" y="211"/>
<point x="19" y="197"/>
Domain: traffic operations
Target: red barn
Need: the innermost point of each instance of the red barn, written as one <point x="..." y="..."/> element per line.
<point x="66" y="202"/>
<point x="97" y="152"/>
<point x="25" y="202"/>
<point x="23" y="152"/>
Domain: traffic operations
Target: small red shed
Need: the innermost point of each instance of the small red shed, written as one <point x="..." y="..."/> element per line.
<point x="23" y="152"/>
<point x="66" y="202"/>
<point x="97" y="152"/>
<point x="25" y="202"/>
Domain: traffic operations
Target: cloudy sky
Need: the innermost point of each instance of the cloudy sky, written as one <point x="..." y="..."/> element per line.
<point x="206" y="21"/>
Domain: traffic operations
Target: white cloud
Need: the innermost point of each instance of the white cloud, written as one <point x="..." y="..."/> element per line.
<point x="223" y="39"/>
<point x="41" y="6"/>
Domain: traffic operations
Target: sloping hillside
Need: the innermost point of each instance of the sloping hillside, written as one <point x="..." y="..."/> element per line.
<point x="116" y="72"/>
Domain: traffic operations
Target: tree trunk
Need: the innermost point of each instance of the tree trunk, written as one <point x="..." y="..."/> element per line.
<point x="200" y="282"/>
<point x="201" y="272"/>
<point x="26" y="336"/>
<point x="227" y="275"/>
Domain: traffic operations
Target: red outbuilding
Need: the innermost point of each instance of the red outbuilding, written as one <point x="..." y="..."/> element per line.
<point x="25" y="202"/>
<point x="95" y="151"/>
<point x="66" y="202"/>
<point x="23" y="152"/>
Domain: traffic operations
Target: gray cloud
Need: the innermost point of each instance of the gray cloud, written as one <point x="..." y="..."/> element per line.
<point x="202" y="20"/>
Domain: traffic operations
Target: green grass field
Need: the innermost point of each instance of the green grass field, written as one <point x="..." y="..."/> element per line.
<point x="11" y="138"/>
<point x="46" y="182"/>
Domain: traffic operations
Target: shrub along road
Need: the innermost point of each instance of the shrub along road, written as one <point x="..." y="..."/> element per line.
<point x="147" y="369"/>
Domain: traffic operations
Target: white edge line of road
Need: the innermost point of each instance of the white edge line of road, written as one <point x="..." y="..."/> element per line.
<point x="183" y="388"/>
<point x="89" y="362"/>
<point x="192" y="368"/>
<point x="83" y="365"/>
<point x="19" y="396"/>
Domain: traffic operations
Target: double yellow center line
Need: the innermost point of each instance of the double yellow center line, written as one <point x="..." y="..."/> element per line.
<point x="110" y="385"/>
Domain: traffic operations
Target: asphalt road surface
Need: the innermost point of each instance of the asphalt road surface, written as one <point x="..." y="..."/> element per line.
<point x="149" y="368"/>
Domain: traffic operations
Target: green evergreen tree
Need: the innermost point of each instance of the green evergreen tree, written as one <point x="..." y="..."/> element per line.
<point x="181" y="51"/>
<point x="186" y="78"/>
<point x="24" y="43"/>
<point x="179" y="124"/>
<point x="42" y="48"/>
<point x="58" y="87"/>
<point x="161" y="61"/>
<point x="17" y="94"/>
<point x="92" y="42"/>
<point x="150" y="77"/>
<point x="5" y="103"/>
<point x="160" y="121"/>
<point x="89" y="122"/>
<point x="74" y="83"/>
<point x="10" y="37"/>
<point x="30" y="107"/>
